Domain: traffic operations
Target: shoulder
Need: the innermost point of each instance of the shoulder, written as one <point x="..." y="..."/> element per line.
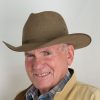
<point x="84" y="86"/>
<point x="87" y="90"/>
<point x="21" y="95"/>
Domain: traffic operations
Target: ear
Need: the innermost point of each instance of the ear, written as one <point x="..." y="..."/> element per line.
<point x="70" y="54"/>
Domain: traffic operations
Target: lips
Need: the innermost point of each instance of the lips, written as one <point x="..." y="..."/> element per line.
<point x="42" y="74"/>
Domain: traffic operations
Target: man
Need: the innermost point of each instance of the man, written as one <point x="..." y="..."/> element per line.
<point x="49" y="51"/>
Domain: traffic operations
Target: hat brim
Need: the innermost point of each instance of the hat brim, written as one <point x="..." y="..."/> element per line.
<point x="78" y="40"/>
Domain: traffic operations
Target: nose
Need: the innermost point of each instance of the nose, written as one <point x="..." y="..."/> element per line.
<point x="38" y="63"/>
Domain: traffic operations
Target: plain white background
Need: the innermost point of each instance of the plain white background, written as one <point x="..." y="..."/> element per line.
<point x="80" y="16"/>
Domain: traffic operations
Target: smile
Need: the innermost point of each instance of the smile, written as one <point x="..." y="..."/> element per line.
<point x="42" y="75"/>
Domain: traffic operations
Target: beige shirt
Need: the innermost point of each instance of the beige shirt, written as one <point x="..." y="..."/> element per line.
<point x="75" y="90"/>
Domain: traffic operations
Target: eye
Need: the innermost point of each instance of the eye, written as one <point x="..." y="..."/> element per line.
<point x="46" y="53"/>
<point x="29" y="55"/>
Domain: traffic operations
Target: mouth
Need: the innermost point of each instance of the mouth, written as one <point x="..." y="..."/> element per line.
<point x="42" y="74"/>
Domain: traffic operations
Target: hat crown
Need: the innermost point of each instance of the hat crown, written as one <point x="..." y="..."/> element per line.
<point x="45" y="29"/>
<point x="44" y="26"/>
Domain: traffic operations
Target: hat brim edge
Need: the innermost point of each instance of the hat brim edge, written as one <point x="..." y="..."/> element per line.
<point x="78" y="40"/>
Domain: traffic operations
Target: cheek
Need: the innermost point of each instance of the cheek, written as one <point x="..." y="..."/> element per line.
<point x="61" y="66"/>
<point x="28" y="65"/>
<point x="53" y="63"/>
<point x="56" y="62"/>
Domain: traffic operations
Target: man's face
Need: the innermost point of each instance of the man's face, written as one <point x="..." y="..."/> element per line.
<point x="47" y="66"/>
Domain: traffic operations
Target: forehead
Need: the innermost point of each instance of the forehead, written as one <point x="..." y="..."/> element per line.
<point x="52" y="48"/>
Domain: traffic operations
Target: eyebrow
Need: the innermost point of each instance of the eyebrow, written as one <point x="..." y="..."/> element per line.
<point x="27" y="53"/>
<point x="41" y="50"/>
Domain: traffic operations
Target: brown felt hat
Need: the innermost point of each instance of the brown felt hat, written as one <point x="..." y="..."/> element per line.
<point x="48" y="28"/>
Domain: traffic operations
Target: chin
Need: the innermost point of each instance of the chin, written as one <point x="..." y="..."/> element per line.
<point x="43" y="85"/>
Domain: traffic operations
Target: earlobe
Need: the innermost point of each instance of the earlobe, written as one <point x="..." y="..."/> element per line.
<point x="70" y="54"/>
